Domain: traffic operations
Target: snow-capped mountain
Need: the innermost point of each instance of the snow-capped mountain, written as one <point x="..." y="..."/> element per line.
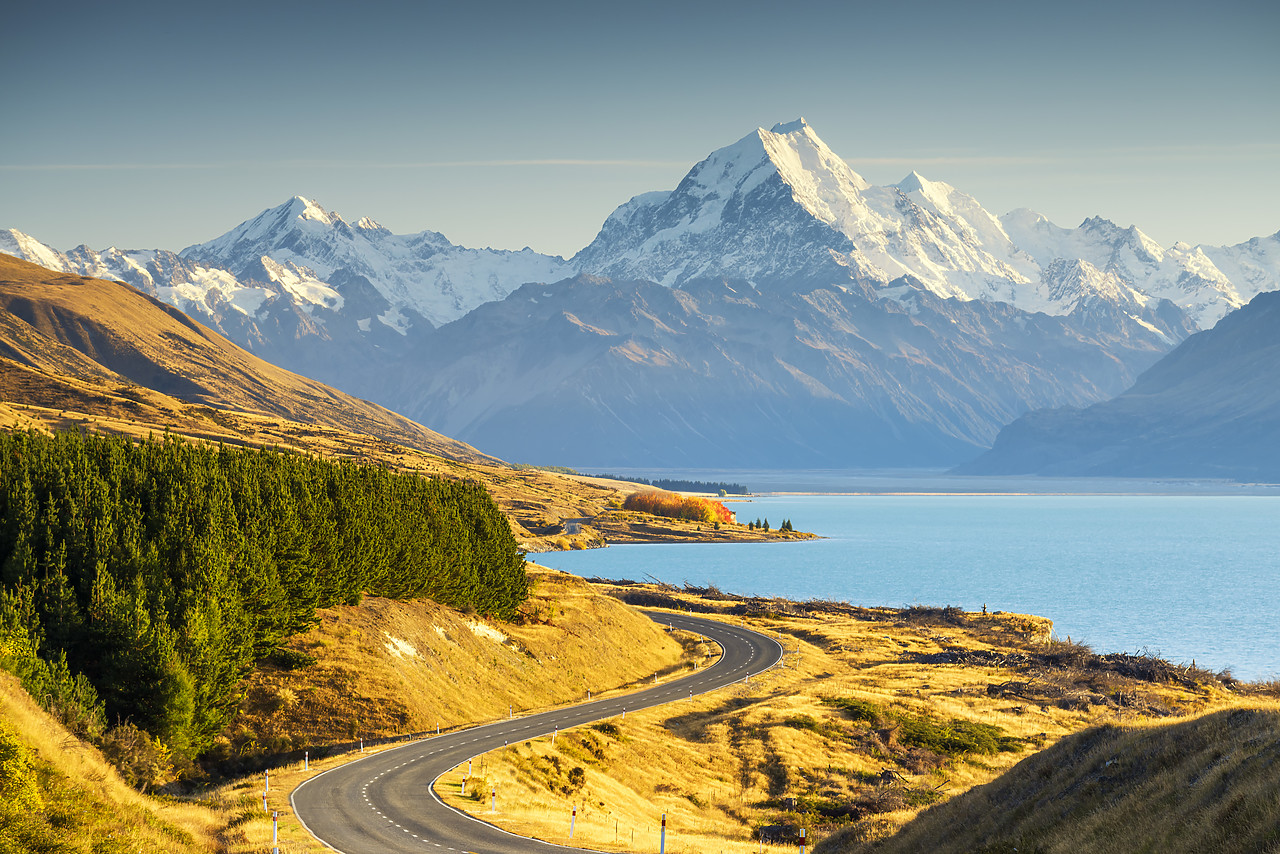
<point x="419" y="274"/>
<point x="780" y="206"/>
<point x="301" y="287"/>
<point x="193" y="288"/>
<point x="800" y="314"/>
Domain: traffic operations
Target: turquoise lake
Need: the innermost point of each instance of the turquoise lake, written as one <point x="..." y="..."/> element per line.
<point x="1186" y="577"/>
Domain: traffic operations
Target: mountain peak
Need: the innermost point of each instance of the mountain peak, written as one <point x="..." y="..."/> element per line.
<point x="915" y="182"/>
<point x="301" y="207"/>
<point x="791" y="127"/>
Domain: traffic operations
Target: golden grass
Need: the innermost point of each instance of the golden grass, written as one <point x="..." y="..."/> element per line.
<point x="723" y="765"/>
<point x="1208" y="783"/>
<point x="83" y="803"/>
<point x="386" y="667"/>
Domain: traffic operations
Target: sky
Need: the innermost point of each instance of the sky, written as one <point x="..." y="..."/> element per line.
<point x="160" y="125"/>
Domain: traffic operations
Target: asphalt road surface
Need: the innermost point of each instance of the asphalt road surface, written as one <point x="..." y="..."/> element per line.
<point x="384" y="803"/>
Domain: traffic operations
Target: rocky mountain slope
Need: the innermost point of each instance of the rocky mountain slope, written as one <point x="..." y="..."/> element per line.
<point x="602" y="372"/>
<point x="1210" y="408"/>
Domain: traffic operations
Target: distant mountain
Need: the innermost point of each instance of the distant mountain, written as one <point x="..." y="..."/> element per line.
<point x="112" y="335"/>
<point x="716" y="373"/>
<point x="1210" y="408"/>
<point x="907" y="308"/>
<point x="417" y="276"/>
<point x="304" y="289"/>
<point x="779" y="206"/>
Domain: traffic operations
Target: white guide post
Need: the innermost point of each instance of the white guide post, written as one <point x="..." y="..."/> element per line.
<point x="662" y="840"/>
<point x="493" y="804"/>
<point x="275" y="833"/>
<point x="573" y="820"/>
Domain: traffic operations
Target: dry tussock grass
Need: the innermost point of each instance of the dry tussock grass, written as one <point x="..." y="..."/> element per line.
<point x="83" y="804"/>
<point x="782" y="753"/>
<point x="387" y="668"/>
<point x="1203" y="784"/>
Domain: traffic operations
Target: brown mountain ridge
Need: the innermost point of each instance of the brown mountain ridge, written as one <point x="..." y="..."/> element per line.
<point x="120" y="334"/>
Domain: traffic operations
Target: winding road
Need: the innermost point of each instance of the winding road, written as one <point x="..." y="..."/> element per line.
<point x="385" y="803"/>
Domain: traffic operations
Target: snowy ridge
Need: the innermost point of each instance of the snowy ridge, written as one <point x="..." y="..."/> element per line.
<point x="775" y="208"/>
<point x="422" y="273"/>
<point x="779" y="204"/>
<point x="193" y="288"/>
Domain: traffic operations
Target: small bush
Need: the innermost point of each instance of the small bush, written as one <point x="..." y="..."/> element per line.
<point x="142" y="761"/>
<point x="954" y="737"/>
<point x="858" y="710"/>
<point x="289" y="659"/>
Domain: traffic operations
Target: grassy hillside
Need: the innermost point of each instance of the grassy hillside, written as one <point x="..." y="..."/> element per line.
<point x="119" y="331"/>
<point x="877" y="714"/>
<point x="385" y="667"/>
<point x="390" y="667"/>
<point x="59" y="795"/>
<point x="1207" y="784"/>
<point x="1018" y="741"/>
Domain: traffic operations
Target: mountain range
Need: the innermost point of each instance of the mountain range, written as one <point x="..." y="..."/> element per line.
<point x="1209" y="409"/>
<point x="773" y="309"/>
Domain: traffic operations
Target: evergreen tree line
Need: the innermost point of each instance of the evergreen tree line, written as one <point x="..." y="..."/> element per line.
<point x="764" y="526"/>
<point x="156" y="573"/>
<point x="678" y="485"/>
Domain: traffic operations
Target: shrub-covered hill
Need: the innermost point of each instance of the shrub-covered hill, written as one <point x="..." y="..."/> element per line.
<point x="140" y="581"/>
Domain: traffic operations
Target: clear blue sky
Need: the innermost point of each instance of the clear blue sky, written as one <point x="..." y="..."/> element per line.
<point x="146" y="125"/>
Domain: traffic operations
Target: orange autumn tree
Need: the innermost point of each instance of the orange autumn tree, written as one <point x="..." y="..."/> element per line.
<point x="675" y="506"/>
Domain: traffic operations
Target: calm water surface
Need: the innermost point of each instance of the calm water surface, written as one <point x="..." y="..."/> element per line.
<point x="1182" y="576"/>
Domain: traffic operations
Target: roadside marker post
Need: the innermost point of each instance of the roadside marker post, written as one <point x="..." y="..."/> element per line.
<point x="554" y="733"/>
<point x="266" y="781"/>
<point x="493" y="804"/>
<point x="802" y="840"/>
<point x="264" y="801"/>
<point x="362" y="745"/>
<point x="662" y="840"/>
<point x="275" y="833"/>
<point x="306" y="760"/>
<point x="573" y="820"/>
<point x="464" y="787"/>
